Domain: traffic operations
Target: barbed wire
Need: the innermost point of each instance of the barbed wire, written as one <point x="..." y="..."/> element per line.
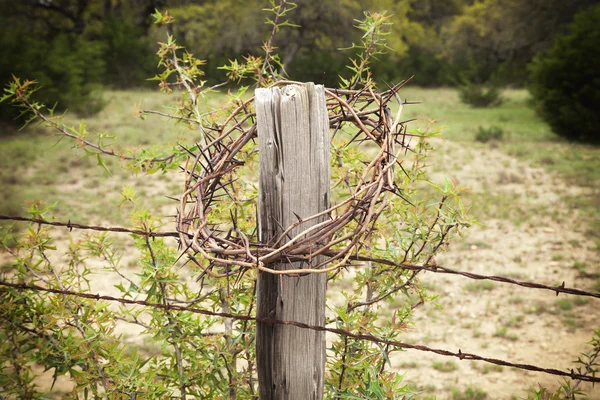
<point x="71" y="225"/>
<point x="445" y="270"/>
<point x="431" y="268"/>
<point x="358" y="336"/>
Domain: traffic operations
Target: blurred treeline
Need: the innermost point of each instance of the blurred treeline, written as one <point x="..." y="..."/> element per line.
<point x="75" y="47"/>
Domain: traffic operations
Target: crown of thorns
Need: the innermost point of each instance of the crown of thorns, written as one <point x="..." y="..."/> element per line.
<point x="211" y="168"/>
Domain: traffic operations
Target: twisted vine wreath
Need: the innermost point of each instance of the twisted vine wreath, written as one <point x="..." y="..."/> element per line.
<point x="211" y="168"/>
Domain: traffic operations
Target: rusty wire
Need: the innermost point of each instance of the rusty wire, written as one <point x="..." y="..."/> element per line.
<point x="431" y="268"/>
<point x="358" y="336"/>
<point x="72" y="225"/>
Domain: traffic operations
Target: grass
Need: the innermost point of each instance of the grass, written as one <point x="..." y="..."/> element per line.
<point x="579" y="266"/>
<point x="513" y="322"/>
<point x="448" y="366"/>
<point x="502" y="332"/>
<point x="480" y="286"/>
<point x="486" y="368"/>
<point x="35" y="165"/>
<point x="565" y="309"/>
<point x="526" y="136"/>
<point x="470" y="393"/>
<point x="564" y="304"/>
<point x="30" y="165"/>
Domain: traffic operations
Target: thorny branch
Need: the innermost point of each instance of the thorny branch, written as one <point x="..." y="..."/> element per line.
<point x="172" y="327"/>
<point x="359" y="336"/>
<point x="589" y="366"/>
<point x="85" y="142"/>
<point x="210" y="170"/>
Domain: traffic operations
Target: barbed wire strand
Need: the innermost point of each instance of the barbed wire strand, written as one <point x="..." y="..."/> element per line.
<point x="359" y="336"/>
<point x="71" y="225"/>
<point x="431" y="268"/>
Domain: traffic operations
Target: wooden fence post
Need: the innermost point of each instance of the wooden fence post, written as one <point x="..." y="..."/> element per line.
<point x="293" y="138"/>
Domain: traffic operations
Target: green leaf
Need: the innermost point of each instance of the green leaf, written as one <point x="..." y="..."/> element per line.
<point x="121" y="288"/>
<point x="102" y="164"/>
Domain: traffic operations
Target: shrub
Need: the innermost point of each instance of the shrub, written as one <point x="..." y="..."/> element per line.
<point x="486" y="134"/>
<point x="565" y="83"/>
<point x="477" y="95"/>
<point x="190" y="353"/>
<point x="128" y="54"/>
<point x="68" y="70"/>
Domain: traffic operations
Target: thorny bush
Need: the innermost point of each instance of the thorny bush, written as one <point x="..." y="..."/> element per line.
<point x="188" y="355"/>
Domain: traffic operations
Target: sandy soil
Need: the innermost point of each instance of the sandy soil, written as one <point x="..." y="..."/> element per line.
<point x="542" y="248"/>
<point x="535" y="239"/>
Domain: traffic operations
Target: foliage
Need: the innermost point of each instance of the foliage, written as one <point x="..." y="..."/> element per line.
<point x="73" y="49"/>
<point x="497" y="38"/>
<point x="564" y="80"/>
<point x="429" y="69"/>
<point x="65" y="68"/>
<point x="486" y="134"/>
<point x="433" y="40"/>
<point x="477" y="95"/>
<point x="189" y="355"/>
<point x="471" y="393"/>
<point x="127" y="54"/>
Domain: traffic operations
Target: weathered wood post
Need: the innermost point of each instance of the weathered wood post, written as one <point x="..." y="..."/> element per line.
<point x="293" y="138"/>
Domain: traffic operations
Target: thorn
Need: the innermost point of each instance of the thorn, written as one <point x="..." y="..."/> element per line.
<point x="233" y="219"/>
<point x="187" y="150"/>
<point x="297" y="216"/>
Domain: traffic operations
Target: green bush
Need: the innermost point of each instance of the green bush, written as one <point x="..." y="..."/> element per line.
<point x="128" y="54"/>
<point x="486" y="134"/>
<point x="477" y="95"/>
<point x="565" y="81"/>
<point x="67" y="68"/>
<point x="429" y="69"/>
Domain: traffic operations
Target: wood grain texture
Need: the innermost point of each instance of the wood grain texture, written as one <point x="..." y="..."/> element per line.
<point x="293" y="137"/>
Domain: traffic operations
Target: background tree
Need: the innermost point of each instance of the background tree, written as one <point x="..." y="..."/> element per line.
<point x="497" y="38"/>
<point x="73" y="48"/>
<point x="78" y="47"/>
<point x="565" y="80"/>
<point x="424" y="57"/>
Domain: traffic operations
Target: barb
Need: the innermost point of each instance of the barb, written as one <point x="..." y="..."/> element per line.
<point x="359" y="336"/>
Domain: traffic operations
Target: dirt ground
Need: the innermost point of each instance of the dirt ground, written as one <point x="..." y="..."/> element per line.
<point x="541" y="242"/>
<point x="528" y="233"/>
